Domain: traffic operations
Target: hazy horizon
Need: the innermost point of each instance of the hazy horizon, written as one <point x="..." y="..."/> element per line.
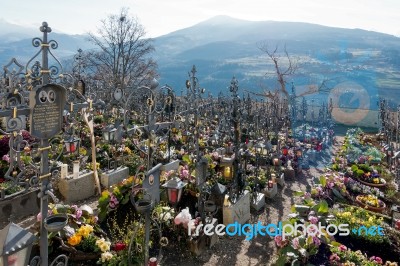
<point x="160" y="18"/>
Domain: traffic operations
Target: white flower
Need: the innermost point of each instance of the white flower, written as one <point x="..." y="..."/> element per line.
<point x="166" y="216"/>
<point x="106" y="256"/>
<point x="103" y="245"/>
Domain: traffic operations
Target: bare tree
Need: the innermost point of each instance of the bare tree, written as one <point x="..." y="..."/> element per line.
<point x="284" y="66"/>
<point x="316" y="88"/>
<point x="123" y="54"/>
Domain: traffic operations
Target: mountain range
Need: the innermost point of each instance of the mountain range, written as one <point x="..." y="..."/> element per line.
<point x="223" y="47"/>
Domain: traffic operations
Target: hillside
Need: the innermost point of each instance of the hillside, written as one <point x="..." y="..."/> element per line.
<point x="223" y="46"/>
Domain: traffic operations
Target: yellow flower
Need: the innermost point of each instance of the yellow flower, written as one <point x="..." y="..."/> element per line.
<point x="105" y="193"/>
<point x="85" y="230"/>
<point x="127" y="150"/>
<point x="346" y="214"/>
<point x="82" y="151"/>
<point x="75" y="240"/>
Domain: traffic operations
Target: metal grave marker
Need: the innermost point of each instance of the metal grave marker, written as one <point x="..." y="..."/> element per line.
<point x="47" y="105"/>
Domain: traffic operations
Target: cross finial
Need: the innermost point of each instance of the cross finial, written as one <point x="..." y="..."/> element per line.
<point x="45" y="27"/>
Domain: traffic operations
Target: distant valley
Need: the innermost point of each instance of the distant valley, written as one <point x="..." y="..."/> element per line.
<point x="223" y="47"/>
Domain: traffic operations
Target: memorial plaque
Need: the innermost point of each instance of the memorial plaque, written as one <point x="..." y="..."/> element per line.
<point x="151" y="182"/>
<point x="47" y="106"/>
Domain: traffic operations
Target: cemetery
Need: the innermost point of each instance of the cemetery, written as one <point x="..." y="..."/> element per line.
<point x="121" y="176"/>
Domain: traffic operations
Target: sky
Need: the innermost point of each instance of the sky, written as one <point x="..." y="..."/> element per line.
<point x="164" y="16"/>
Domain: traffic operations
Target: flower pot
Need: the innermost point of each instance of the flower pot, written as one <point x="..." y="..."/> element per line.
<point x="142" y="205"/>
<point x="373" y="184"/>
<point x="369" y="207"/>
<point x="77" y="255"/>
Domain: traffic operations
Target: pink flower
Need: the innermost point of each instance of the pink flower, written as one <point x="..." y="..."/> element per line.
<point x="215" y="155"/>
<point x="334" y="257"/>
<point x="295" y="243"/>
<point x="185" y="173"/>
<point x="6" y="158"/>
<point x="39" y="217"/>
<point x="331" y="184"/>
<point x="78" y="213"/>
<point x="307" y="195"/>
<point x="342" y="248"/>
<point x="279" y="241"/>
<point x="376" y="259"/>
<point x="313" y="219"/>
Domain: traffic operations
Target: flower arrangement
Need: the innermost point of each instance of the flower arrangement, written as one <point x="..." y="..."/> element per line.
<point x="356" y="217"/>
<point x="115" y="252"/>
<point x="297" y="249"/>
<point x="357" y="187"/>
<point x="80" y="237"/>
<point x="117" y="195"/>
<point x="330" y="184"/>
<point x="371" y="200"/>
<point x="341" y="255"/>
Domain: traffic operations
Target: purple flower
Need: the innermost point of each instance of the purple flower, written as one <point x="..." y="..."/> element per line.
<point x="313" y="219"/>
<point x="6" y="158"/>
<point x="113" y="201"/>
<point x="316" y="241"/>
<point x="78" y="213"/>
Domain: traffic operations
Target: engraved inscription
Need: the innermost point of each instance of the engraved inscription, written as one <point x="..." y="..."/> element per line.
<point x="46" y="119"/>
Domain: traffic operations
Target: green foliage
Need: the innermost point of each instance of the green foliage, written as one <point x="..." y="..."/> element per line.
<point x="322" y="180"/>
<point x="335" y="167"/>
<point x="98" y="119"/>
<point x="133" y="162"/>
<point x="365" y="168"/>
<point x="359" y="173"/>
<point x="10" y="187"/>
<point x="88" y="244"/>
<point x="322" y="207"/>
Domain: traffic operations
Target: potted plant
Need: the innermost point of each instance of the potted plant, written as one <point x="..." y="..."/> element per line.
<point x="371" y="202"/>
